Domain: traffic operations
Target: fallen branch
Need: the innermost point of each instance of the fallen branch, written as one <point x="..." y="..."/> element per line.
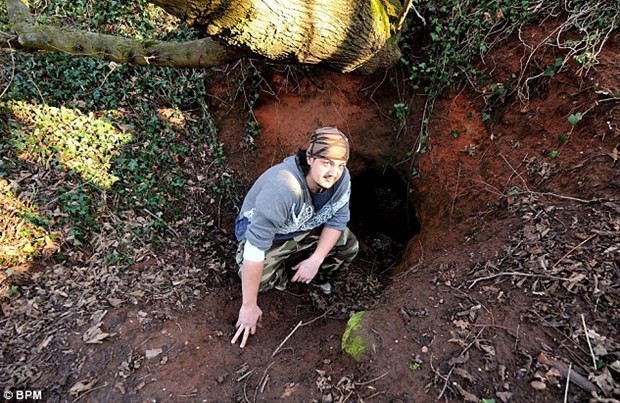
<point x="515" y="273"/>
<point x="201" y="53"/>
<point x="568" y="373"/>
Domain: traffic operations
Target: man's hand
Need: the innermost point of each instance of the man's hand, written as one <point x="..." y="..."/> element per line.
<point x="306" y="270"/>
<point x="246" y="325"/>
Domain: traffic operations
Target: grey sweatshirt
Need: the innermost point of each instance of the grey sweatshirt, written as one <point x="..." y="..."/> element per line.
<point x="280" y="203"/>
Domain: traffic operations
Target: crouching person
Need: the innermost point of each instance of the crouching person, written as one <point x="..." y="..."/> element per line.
<point x="299" y="207"/>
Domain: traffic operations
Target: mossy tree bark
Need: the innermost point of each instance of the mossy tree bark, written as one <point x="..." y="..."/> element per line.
<point x="347" y="35"/>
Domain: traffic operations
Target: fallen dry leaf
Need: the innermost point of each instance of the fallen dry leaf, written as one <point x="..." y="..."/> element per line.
<point x="82" y="386"/>
<point x="467" y="396"/>
<point x="95" y="335"/>
<point x="461" y="324"/>
<point x="153" y="353"/>
<point x="289" y="389"/>
<point x="614" y="154"/>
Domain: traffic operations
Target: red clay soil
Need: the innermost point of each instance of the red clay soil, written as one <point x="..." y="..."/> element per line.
<point x="484" y="192"/>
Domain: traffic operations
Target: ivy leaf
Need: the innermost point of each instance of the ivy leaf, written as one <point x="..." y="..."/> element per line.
<point x="575" y="118"/>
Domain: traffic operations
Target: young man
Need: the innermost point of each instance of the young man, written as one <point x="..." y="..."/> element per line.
<point x="298" y="207"/>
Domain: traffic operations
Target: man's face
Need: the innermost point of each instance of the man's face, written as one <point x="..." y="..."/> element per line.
<point x="324" y="173"/>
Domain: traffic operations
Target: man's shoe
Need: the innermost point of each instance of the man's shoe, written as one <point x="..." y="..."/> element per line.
<point x="326" y="288"/>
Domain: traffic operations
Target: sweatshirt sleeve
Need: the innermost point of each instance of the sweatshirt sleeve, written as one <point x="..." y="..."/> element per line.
<point x="274" y="202"/>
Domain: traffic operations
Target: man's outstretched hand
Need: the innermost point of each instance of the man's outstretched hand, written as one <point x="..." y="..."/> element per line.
<point x="246" y="325"/>
<point x="306" y="270"/>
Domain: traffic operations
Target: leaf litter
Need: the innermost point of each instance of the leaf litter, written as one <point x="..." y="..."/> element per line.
<point x="559" y="254"/>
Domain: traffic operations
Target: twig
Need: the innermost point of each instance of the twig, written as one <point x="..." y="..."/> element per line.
<point x="147" y="339"/>
<point x="585" y="330"/>
<point x="375" y="394"/>
<point x="576" y="345"/>
<point x="372" y="380"/>
<point x="12" y="70"/>
<point x="515" y="172"/>
<point x="88" y="391"/>
<point x="263" y="381"/>
<point x="517" y="337"/>
<point x="418" y="14"/>
<point x="571" y="251"/>
<point x="559" y="196"/>
<point x="245" y="387"/>
<point x="575" y="377"/>
<point x="300" y="324"/>
<point x="403" y="14"/>
<point x="162" y="221"/>
<point x="570" y="366"/>
<point x="514" y="273"/>
<point x="496" y="327"/>
<point x="247" y="374"/>
<point x="445" y="385"/>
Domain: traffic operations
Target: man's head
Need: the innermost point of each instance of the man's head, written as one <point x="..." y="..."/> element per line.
<point x="327" y="156"/>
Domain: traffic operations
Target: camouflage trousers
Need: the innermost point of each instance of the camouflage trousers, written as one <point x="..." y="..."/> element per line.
<point x="284" y="255"/>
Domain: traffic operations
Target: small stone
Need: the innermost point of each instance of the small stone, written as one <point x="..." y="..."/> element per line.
<point x="538" y="385"/>
<point x="425" y="349"/>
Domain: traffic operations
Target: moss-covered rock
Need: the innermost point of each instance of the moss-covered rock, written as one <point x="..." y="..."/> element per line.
<point x="357" y="340"/>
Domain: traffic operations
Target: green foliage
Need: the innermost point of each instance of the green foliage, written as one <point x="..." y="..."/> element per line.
<point x="13" y="291"/>
<point x="575" y="118"/>
<point x="456" y="34"/>
<point x="99" y="147"/>
<point x="552" y="69"/>
<point x="400" y="111"/>
<point x="414" y="366"/>
<point x="450" y="37"/>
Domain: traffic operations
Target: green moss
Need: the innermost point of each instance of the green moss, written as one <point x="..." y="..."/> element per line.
<point x="352" y="343"/>
<point x="380" y="17"/>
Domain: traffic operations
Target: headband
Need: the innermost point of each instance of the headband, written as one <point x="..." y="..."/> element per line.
<point x="329" y="143"/>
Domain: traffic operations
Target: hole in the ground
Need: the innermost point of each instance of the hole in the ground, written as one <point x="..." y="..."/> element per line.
<point x="382" y="215"/>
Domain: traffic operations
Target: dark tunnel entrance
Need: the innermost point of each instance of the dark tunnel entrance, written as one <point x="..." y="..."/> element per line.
<point x="382" y="215"/>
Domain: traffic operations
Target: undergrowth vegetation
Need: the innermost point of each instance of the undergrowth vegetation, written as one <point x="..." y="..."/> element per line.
<point x="449" y="40"/>
<point x="98" y="161"/>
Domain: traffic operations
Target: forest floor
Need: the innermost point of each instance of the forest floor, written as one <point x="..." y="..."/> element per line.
<point x="510" y="282"/>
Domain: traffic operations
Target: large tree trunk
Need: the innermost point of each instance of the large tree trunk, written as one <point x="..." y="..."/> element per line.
<point x="347" y="35"/>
